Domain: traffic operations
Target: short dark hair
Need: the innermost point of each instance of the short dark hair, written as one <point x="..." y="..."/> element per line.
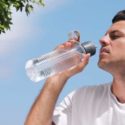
<point x="119" y="16"/>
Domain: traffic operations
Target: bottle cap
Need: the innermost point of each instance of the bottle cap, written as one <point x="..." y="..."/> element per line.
<point x="74" y="35"/>
<point x="89" y="47"/>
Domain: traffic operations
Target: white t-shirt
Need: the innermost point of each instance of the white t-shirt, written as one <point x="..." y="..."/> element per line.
<point x="95" y="105"/>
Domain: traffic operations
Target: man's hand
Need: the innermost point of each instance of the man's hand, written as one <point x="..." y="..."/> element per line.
<point x="74" y="70"/>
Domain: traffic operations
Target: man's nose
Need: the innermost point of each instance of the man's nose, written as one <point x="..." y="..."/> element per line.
<point x="105" y="40"/>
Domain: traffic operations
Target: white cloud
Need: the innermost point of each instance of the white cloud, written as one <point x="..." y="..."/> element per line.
<point x="11" y="38"/>
<point x="11" y="41"/>
<point x="21" y="29"/>
<point x="22" y="25"/>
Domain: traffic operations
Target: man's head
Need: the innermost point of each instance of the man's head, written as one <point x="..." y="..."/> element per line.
<point x="119" y="16"/>
<point x="112" y="52"/>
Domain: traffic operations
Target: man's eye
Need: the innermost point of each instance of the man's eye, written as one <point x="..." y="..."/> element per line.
<point x="114" y="36"/>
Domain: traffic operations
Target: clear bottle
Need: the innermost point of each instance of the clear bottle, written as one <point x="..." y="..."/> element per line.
<point x="57" y="61"/>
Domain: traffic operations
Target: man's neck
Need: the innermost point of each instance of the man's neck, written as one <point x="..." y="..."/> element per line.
<point x="118" y="89"/>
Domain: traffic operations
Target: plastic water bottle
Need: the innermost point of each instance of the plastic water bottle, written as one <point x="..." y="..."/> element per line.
<point x="58" y="60"/>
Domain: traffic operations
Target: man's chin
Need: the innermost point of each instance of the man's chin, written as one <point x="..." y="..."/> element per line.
<point x="104" y="65"/>
<point x="101" y="64"/>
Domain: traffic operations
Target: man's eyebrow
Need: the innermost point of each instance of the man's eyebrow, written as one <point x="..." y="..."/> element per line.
<point x="115" y="31"/>
<point x="119" y="32"/>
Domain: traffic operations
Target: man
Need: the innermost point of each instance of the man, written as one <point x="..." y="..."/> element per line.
<point x="95" y="105"/>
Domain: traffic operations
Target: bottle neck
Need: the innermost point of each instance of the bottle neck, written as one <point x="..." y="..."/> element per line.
<point x="80" y="48"/>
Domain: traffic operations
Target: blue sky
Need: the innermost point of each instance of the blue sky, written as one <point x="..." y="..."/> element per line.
<point x="41" y="32"/>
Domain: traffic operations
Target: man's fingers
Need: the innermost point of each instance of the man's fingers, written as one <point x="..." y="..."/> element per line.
<point x="67" y="44"/>
<point x="78" y="68"/>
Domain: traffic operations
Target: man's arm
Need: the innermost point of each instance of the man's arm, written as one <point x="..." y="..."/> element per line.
<point x="42" y="109"/>
<point x="41" y="112"/>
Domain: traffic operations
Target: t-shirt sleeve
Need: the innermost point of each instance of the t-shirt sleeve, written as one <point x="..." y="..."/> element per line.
<point x="63" y="112"/>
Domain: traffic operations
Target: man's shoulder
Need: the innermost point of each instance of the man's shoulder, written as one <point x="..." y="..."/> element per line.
<point x="87" y="93"/>
<point x="94" y="87"/>
<point x="94" y="90"/>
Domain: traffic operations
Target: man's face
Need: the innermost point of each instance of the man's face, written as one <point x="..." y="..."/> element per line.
<point x="112" y="52"/>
